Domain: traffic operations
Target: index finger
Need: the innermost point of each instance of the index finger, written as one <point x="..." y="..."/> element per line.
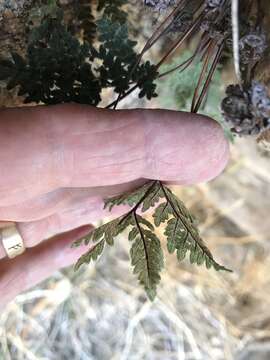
<point x="45" y="148"/>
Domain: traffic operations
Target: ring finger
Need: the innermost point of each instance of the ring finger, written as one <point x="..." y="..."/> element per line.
<point x="83" y="212"/>
<point x="38" y="263"/>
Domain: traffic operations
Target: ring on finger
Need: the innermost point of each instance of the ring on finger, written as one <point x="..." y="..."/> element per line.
<point x="12" y="241"/>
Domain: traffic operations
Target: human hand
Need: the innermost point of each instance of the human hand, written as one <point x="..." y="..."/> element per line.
<point x="57" y="164"/>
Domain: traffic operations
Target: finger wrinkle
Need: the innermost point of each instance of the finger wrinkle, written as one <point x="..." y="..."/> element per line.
<point x="85" y="212"/>
<point x="110" y="174"/>
<point x="70" y="118"/>
<point x="37" y="207"/>
<point x="90" y="132"/>
<point x="114" y="155"/>
<point x="121" y="163"/>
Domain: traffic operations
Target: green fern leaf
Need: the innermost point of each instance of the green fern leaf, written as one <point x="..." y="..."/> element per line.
<point x="183" y="235"/>
<point x="105" y="232"/>
<point x="146" y="258"/>
<point x="83" y="241"/>
<point x="178" y="206"/>
<point x="130" y="198"/>
<point x="175" y="233"/>
<point x="147" y="196"/>
<point x="133" y="234"/>
<point x="92" y="255"/>
<point x="162" y="213"/>
<point x="145" y="222"/>
<point x="153" y="198"/>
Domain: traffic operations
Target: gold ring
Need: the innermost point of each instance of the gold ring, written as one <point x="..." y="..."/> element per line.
<point x="12" y="241"/>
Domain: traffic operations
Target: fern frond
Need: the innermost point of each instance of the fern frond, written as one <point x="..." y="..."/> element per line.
<point x="146" y="253"/>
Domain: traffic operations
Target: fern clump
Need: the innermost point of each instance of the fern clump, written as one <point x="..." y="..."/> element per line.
<point x="58" y="68"/>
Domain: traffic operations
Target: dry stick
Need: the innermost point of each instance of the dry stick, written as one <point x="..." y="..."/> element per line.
<point x="188" y="62"/>
<point x="209" y="77"/>
<point x="185" y="64"/>
<point x="184" y="37"/>
<point x="176" y="45"/>
<point x="235" y="33"/>
<point x="207" y="55"/>
<point x="205" y="49"/>
<point x="151" y="41"/>
<point x="160" y="30"/>
<point x="180" y="41"/>
<point x="209" y="52"/>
